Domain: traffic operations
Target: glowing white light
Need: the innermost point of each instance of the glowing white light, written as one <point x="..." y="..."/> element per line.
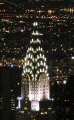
<point x="35" y="67"/>
<point x="52" y="99"/>
<point x="17" y="107"/>
<point x="72" y="58"/>
<point x="64" y="82"/>
<point x="47" y="74"/>
<point x="19" y="102"/>
<point x="33" y="59"/>
<point x="19" y="98"/>
<point x="36" y="75"/>
<point x="40" y="55"/>
<point x="26" y="70"/>
<point x="33" y="33"/>
<point x="38" y="64"/>
<point x="35" y="105"/>
<point x="41" y="63"/>
<point x="38" y="40"/>
<point x="30" y="48"/>
<point x="30" y="71"/>
<point x="38" y="72"/>
<point x="30" y="64"/>
<point x="41" y="49"/>
<point x="45" y="71"/>
<point x="36" y="33"/>
<point x="32" y="75"/>
<point x="37" y="57"/>
<point x="31" y="56"/>
<point x="30" y="97"/>
<point x="32" y="67"/>
<point x="44" y="58"/>
<point x="12" y="65"/>
<point x="22" y="30"/>
<point x="44" y="64"/>
<point x="35" y="24"/>
<point x="46" y="67"/>
<point x="22" y="73"/>
<point x="37" y="49"/>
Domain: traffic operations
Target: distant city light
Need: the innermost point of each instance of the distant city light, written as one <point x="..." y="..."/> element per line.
<point x="19" y="102"/>
<point x="64" y="82"/>
<point x="52" y="99"/>
<point x="1" y="3"/>
<point x="12" y="65"/>
<point x="22" y="30"/>
<point x="72" y="58"/>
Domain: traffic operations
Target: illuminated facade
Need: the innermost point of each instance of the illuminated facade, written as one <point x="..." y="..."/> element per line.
<point x="35" y="78"/>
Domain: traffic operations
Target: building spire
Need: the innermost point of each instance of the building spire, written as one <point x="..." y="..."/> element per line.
<point x="35" y="34"/>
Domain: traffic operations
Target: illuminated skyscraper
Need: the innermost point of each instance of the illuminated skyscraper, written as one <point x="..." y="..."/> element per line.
<point x="35" y="77"/>
<point x="35" y="86"/>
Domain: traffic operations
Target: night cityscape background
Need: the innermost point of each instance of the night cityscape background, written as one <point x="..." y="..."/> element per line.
<point x="36" y="60"/>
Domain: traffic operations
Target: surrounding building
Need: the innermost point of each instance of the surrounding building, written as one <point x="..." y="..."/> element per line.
<point x="10" y="84"/>
<point x="64" y="99"/>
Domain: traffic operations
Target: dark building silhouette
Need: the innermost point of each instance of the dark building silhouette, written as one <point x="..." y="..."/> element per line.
<point x="63" y="103"/>
<point x="10" y="78"/>
<point x="68" y="99"/>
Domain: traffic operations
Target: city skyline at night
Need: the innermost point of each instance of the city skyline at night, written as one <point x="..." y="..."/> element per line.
<point x="53" y="23"/>
<point x="37" y="59"/>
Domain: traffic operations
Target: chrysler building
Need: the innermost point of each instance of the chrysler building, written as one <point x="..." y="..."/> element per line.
<point x="35" y="86"/>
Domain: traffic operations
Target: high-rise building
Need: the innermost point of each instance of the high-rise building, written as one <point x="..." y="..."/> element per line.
<point x="35" y="78"/>
<point x="10" y="82"/>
